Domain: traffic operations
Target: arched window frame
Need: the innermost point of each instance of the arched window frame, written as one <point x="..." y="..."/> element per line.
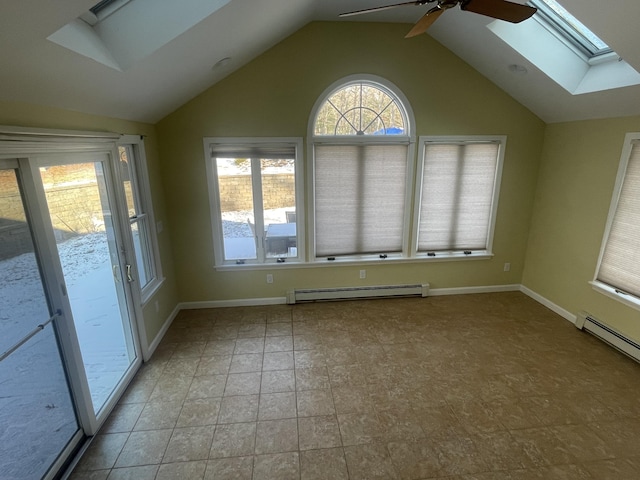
<point x="408" y="139"/>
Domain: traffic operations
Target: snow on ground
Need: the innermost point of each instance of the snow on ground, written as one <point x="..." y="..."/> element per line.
<point x="36" y="413"/>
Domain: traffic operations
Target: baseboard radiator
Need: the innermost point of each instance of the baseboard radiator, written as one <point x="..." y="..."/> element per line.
<point x="345" y="293"/>
<point x="587" y="322"/>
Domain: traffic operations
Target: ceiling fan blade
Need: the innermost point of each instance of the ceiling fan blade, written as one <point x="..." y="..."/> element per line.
<point x="385" y="7"/>
<point x="500" y="9"/>
<point x="425" y="22"/>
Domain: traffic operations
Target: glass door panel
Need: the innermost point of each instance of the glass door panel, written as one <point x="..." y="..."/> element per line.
<point x="81" y="215"/>
<point x="37" y="414"/>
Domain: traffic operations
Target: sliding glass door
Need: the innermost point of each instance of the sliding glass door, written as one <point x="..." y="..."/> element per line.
<point x="37" y="413"/>
<point x="68" y="342"/>
<point x="85" y="226"/>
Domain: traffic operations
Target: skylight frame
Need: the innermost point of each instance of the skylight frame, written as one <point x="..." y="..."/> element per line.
<point x="570" y="28"/>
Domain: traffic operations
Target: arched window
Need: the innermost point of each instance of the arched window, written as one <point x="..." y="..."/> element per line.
<point x="361" y="108"/>
<point x="362" y="159"/>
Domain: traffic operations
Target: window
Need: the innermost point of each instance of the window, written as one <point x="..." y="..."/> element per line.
<point x="255" y="195"/>
<point x="133" y="174"/>
<point x="361" y="171"/>
<point x="457" y="194"/>
<point x="571" y="28"/>
<point x="363" y="179"/>
<point x="618" y="270"/>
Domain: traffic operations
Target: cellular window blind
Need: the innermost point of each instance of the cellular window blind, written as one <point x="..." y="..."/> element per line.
<point x="620" y="265"/>
<point x="457" y="194"/>
<point x="360" y="196"/>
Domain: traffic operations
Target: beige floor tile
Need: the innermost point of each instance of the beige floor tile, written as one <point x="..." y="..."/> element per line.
<point x="615" y="469"/>
<point x="236" y="409"/>
<point x="103" y="451"/>
<point x="278" y="381"/>
<point x="318" y="432"/>
<point x="219" y="347"/>
<point x="171" y="389"/>
<point x="583" y="443"/>
<point x="277" y="466"/>
<point x="189" y="444"/>
<point x="207" y="386"/>
<point x="309" y="358"/>
<point x="214" y="365"/>
<point x="246" y="362"/>
<point x="233" y="440"/>
<point x="144" y="448"/>
<point x="188" y="349"/>
<point x="352" y="399"/>
<point x="158" y="415"/>
<point x="242" y="384"/>
<point x="236" y="468"/>
<point x="274" y="406"/>
<point x="201" y="411"/>
<point x="123" y="418"/>
<point x="402" y="388"/>
<point x="277" y="436"/>
<point x="278" y="361"/>
<point x="313" y="378"/>
<point x="326" y="464"/>
<point x="278" y="344"/>
<point x="249" y="345"/>
<point x="359" y="428"/>
<point x="279" y="329"/>
<point x="459" y="456"/>
<point x="251" y="331"/>
<point x="182" y="471"/>
<point x="312" y="403"/>
<point x="180" y="367"/>
<point x="369" y="462"/>
<point x="415" y="459"/>
<point x="92" y="475"/>
<point x="145" y="472"/>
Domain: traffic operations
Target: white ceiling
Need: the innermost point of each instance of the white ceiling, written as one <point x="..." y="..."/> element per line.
<point x="37" y="71"/>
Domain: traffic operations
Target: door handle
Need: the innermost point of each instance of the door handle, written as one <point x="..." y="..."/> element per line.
<point x="129" y="277"/>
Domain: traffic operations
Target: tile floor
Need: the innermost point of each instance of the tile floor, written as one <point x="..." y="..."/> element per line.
<point x="490" y="386"/>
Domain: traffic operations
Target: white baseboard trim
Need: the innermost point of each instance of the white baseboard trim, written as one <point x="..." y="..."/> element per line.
<point x="434" y="292"/>
<point x="566" y="314"/>
<point x="241" y="302"/>
<point x="156" y="341"/>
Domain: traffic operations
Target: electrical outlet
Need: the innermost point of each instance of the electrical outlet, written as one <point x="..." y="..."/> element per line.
<point x="269" y="278"/>
<point x="507" y="267"/>
<point x="363" y="274"/>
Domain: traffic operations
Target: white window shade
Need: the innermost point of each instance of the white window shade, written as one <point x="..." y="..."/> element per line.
<point x="360" y="195"/>
<point x="457" y="196"/>
<point x="620" y="265"/>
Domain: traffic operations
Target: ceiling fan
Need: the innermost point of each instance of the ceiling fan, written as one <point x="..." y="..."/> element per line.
<point x="500" y="9"/>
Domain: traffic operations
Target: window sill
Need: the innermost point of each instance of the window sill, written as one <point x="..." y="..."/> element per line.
<point x="627" y="299"/>
<point x="150" y="290"/>
<point x="352" y="261"/>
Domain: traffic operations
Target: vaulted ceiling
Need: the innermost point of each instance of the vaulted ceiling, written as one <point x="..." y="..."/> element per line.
<point x="37" y="71"/>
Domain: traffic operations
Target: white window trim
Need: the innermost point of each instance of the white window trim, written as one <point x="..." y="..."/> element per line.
<point x="458" y="139"/>
<point x="605" y="289"/>
<point x="408" y="140"/>
<point x="214" y="194"/>
<point x="144" y="192"/>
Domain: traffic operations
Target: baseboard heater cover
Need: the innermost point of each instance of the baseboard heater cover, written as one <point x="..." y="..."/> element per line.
<point x="344" y="293"/>
<point x="587" y="322"/>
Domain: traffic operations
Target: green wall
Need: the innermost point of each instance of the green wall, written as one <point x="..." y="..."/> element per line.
<point x="273" y="96"/>
<point x="36" y="116"/>
<point x="577" y="175"/>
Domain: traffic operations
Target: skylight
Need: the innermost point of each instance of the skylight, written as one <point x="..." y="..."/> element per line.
<point x="571" y="28"/>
